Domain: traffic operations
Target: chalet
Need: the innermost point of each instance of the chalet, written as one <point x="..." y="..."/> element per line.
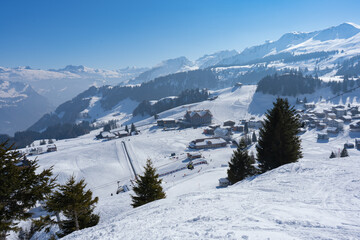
<point x="238" y="128"/>
<point x="339" y="112"/>
<point x="309" y="105"/>
<point x="209" y="131"/>
<point x="255" y="124"/>
<point x="337" y="123"/>
<point x="192" y="156"/>
<point x="346" y="118"/>
<point x="331" y="115"/>
<point x="349" y="145"/>
<point x="121" y="134"/>
<point x="223" y="133"/>
<point x="354" y="110"/>
<point x="224" y="182"/>
<point x="199" y="117"/>
<point x="323" y="136"/>
<point x="166" y="122"/>
<point x="356" y="117"/>
<point x="332" y="130"/>
<point x="229" y="123"/>
<point x="357" y="143"/>
<point x="321" y="126"/>
<point x="107" y="135"/>
<point x="355" y="127"/>
<point x="51" y="148"/>
<point x="207" y="143"/>
<point x="35" y="151"/>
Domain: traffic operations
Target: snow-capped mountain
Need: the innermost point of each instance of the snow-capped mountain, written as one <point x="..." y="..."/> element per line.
<point x="215" y="58"/>
<point x="60" y="85"/>
<point x="335" y="38"/>
<point x="20" y="106"/>
<point x="166" y="67"/>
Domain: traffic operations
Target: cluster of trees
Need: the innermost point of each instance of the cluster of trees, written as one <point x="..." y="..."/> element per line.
<point x="343" y="86"/>
<point x="58" y="131"/>
<point x="343" y="153"/>
<point x="289" y="84"/>
<point x="187" y="96"/>
<point x="278" y="144"/>
<point x="350" y="68"/>
<point x="23" y="186"/>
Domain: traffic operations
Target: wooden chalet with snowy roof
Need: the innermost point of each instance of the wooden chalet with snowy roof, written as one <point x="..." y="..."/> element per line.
<point x="198" y="117"/>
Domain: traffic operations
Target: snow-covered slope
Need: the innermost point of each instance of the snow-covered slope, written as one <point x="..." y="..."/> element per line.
<point x="316" y="198"/>
<point x="215" y="58"/>
<point x="333" y="37"/>
<point x="20" y="106"/>
<point x="166" y="67"/>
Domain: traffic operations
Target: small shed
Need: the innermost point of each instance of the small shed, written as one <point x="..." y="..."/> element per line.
<point x="224" y="182"/>
<point x="194" y="155"/>
<point x="51" y="148"/>
<point x="323" y="136"/>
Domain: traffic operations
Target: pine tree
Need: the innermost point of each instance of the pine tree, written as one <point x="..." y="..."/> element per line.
<point x="42" y="142"/>
<point x="50" y="141"/>
<point x="76" y="204"/>
<point x="278" y="143"/>
<point x="254" y="139"/>
<point x="133" y="128"/>
<point x="240" y="165"/>
<point x="344" y="153"/>
<point x="242" y="143"/>
<point x="332" y="155"/>
<point x="126" y="129"/>
<point x="20" y="188"/>
<point x="148" y="187"/>
<point x="246" y="128"/>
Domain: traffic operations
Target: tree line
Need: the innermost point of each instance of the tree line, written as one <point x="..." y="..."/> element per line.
<point x="186" y="97"/>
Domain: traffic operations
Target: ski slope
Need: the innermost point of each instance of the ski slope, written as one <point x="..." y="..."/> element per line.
<point x="315" y="198"/>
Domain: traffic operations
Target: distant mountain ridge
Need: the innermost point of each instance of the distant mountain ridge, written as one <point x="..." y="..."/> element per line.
<point x="330" y="54"/>
<point x="20" y="106"/>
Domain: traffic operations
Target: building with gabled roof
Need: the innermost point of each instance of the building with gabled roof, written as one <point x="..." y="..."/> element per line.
<point x="198" y="117"/>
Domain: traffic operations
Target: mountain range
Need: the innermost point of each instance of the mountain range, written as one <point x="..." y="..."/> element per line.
<point x="331" y="54"/>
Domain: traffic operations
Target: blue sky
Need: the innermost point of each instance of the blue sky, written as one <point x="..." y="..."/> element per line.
<point x="114" y="34"/>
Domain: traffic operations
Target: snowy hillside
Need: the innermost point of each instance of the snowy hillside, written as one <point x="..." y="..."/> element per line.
<point x="166" y="67"/>
<point x="316" y="198"/>
<point x="20" y="106"/>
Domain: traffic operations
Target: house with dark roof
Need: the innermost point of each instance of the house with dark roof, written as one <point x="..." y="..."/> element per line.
<point x="198" y="117"/>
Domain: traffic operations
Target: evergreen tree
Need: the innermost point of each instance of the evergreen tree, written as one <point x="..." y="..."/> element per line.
<point x="246" y="128"/>
<point x="332" y="155"/>
<point x="240" y="165"/>
<point x="242" y="143"/>
<point x="254" y="139"/>
<point x="126" y="129"/>
<point x="42" y="142"/>
<point x="20" y="188"/>
<point x="133" y="128"/>
<point x="50" y="141"/>
<point x="107" y="128"/>
<point x="148" y="187"/>
<point x="344" y="153"/>
<point x="76" y="204"/>
<point x="278" y="143"/>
